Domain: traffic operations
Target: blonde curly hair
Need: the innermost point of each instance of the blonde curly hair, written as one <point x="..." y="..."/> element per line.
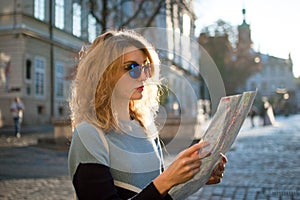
<point x="95" y="79"/>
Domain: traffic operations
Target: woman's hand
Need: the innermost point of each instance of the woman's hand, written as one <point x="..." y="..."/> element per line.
<point x="218" y="171"/>
<point x="184" y="167"/>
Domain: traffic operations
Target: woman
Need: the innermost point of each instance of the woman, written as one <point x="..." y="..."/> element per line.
<point x="115" y="151"/>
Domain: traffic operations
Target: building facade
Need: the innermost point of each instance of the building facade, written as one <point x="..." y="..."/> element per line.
<point x="172" y="34"/>
<point x="179" y="53"/>
<point x="276" y="82"/>
<point x="40" y="39"/>
<point x="274" y="79"/>
<point x="272" y="76"/>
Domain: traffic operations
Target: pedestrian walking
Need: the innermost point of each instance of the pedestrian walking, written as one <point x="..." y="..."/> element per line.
<point x="253" y="112"/>
<point x="115" y="151"/>
<point x="17" y="108"/>
<point x="267" y="113"/>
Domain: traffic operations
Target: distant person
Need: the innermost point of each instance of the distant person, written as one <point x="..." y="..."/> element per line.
<point x="286" y="105"/>
<point x="17" y="109"/>
<point x="267" y="112"/>
<point x="252" y="114"/>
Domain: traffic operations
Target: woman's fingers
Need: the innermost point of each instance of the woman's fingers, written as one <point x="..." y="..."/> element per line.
<point x="218" y="171"/>
<point x="186" y="165"/>
<point x="188" y="171"/>
<point x="195" y="148"/>
<point x="190" y="159"/>
<point x="213" y="180"/>
<point x="215" y="177"/>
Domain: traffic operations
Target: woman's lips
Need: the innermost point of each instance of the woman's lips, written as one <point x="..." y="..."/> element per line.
<point x="140" y="88"/>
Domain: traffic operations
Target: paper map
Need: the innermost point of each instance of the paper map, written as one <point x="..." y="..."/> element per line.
<point x="221" y="133"/>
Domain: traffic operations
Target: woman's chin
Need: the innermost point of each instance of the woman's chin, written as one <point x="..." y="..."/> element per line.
<point x="136" y="96"/>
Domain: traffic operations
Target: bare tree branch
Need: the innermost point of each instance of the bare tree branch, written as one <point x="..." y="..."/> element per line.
<point x="104" y="15"/>
<point x="155" y="13"/>
<point x="117" y="6"/>
<point x="94" y="8"/>
<point x="103" y="11"/>
<point x="126" y="23"/>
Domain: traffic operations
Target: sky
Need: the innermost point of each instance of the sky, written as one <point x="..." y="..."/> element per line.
<point x="274" y="24"/>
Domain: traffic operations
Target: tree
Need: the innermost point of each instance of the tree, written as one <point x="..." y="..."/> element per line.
<point x="222" y="28"/>
<point x="234" y="63"/>
<point x="125" y="13"/>
<point x="120" y="14"/>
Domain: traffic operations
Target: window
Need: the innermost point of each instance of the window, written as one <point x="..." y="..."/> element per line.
<point x="39" y="76"/>
<point x="40" y="110"/>
<point x="59" y="14"/>
<point x="28" y="69"/>
<point x="28" y="90"/>
<point x="59" y="80"/>
<point x="186" y="25"/>
<point x="39" y="9"/>
<point x="91" y="28"/>
<point x="76" y="19"/>
<point x="61" y="110"/>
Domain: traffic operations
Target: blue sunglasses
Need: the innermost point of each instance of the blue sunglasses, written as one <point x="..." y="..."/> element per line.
<point x="135" y="70"/>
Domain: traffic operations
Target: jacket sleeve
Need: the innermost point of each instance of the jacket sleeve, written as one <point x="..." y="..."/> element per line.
<point x="94" y="181"/>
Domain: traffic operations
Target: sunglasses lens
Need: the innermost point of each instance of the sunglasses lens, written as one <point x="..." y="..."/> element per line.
<point x="135" y="70"/>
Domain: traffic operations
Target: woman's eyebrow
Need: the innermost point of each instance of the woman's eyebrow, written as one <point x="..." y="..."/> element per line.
<point x="133" y="61"/>
<point x="130" y="61"/>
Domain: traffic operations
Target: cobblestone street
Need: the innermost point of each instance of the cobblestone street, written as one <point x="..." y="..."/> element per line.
<point x="264" y="163"/>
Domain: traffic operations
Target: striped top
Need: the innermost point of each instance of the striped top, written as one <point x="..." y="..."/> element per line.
<point x="134" y="158"/>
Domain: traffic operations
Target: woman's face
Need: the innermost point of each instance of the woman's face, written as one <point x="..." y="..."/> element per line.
<point x="127" y="87"/>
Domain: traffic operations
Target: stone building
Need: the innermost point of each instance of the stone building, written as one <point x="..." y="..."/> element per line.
<point x="276" y="82"/>
<point x="272" y="76"/>
<point x="40" y="40"/>
<point x="41" y="37"/>
<point x="274" y="79"/>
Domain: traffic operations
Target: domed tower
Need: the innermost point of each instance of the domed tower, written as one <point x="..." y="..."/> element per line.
<point x="244" y="36"/>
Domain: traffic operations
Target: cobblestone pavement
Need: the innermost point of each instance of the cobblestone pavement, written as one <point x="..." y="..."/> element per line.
<point x="29" y="170"/>
<point x="264" y="163"/>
